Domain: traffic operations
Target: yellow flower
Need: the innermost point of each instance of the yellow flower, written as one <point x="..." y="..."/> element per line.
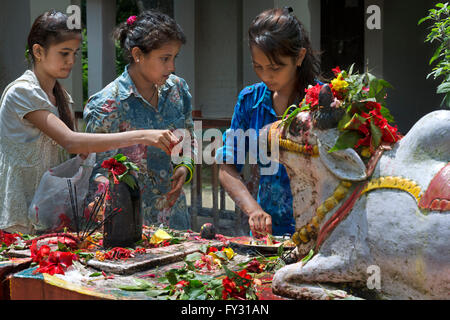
<point x="100" y="256"/>
<point x="229" y="252"/>
<point x="365" y="152"/>
<point x="339" y="84"/>
<point x="159" y="236"/>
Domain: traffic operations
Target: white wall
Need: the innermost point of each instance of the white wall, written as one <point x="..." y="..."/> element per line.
<point x="216" y="56"/>
<point x="101" y="20"/>
<point x="184" y="13"/>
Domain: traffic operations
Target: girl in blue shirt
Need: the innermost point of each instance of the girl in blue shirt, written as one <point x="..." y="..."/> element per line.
<point x="286" y="64"/>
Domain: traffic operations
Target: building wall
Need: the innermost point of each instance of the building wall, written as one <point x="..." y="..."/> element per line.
<point x="184" y="14"/>
<point x="405" y="62"/>
<point x="223" y="64"/>
<point x="21" y="14"/>
<point x="216" y="57"/>
<point x="14" y="16"/>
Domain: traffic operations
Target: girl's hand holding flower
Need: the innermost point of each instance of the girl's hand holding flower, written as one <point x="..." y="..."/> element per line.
<point x="163" y="139"/>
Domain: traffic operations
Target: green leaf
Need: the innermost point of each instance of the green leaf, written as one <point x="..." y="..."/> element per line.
<point x="437" y="53"/>
<point x="120" y="157"/>
<point x="128" y="179"/>
<point x="131" y="166"/>
<point x="95" y="274"/>
<point x="344" y="120"/>
<point x="443" y="87"/>
<point x="348" y="139"/>
<point x="386" y="114"/>
<point x="230" y="274"/>
<point x="132" y="288"/>
<point x="156" y="292"/>
<point x="280" y="250"/>
<point x="171" y="277"/>
<point x="193" y="257"/>
<point x="204" y="248"/>
<point x="307" y="107"/>
<point x="446" y="100"/>
<point x="140" y="285"/>
<point x="423" y="20"/>
<point x="197" y="294"/>
<point x="307" y="257"/>
<point x="355" y="122"/>
<point x="376" y="134"/>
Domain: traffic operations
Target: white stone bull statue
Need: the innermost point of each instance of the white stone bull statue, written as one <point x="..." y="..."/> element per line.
<point x="398" y="226"/>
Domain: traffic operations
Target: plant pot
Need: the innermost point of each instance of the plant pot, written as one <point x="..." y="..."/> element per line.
<point x="123" y="229"/>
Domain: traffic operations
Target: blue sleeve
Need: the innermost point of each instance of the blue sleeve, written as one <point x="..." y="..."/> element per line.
<point x="235" y="141"/>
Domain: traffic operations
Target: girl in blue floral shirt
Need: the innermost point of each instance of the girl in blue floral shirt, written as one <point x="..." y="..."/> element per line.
<point x="147" y="95"/>
<point x="284" y="61"/>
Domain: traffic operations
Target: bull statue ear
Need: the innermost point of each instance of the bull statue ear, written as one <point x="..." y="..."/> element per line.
<point x="344" y="164"/>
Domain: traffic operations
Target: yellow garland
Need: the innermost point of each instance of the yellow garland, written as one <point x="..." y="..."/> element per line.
<point x="306" y="233"/>
<point x="390" y="182"/>
<point x="297" y="147"/>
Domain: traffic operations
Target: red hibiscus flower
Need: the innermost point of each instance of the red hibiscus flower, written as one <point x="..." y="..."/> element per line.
<point x="56" y="262"/>
<point x="254" y="266"/>
<point x="312" y="95"/>
<point x="51" y="262"/>
<point x="38" y="255"/>
<point x="212" y="249"/>
<point x="8" y="238"/>
<point x="181" y="284"/>
<point x="115" y="168"/>
<point x="374" y="117"/>
<point x="236" y="287"/>
<point x="336" y="71"/>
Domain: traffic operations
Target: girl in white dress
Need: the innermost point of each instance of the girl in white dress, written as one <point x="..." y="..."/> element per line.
<point x="36" y="124"/>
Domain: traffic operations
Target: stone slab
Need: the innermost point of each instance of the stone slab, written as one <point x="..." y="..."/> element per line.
<point x="153" y="258"/>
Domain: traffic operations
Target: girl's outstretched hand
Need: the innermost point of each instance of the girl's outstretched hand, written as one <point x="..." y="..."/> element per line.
<point x="260" y="223"/>
<point x="163" y="139"/>
<point x="178" y="179"/>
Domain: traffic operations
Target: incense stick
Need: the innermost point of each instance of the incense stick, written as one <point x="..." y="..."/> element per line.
<point x="74" y="213"/>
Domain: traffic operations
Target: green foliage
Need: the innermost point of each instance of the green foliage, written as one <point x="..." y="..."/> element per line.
<point x="440" y="34"/>
<point x="124" y="9"/>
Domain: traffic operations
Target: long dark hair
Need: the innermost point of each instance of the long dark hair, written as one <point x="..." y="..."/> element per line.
<point x="277" y="32"/>
<point x="48" y="29"/>
<point x="149" y="31"/>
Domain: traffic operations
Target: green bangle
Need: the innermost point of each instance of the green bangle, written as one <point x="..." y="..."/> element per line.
<point x="190" y="169"/>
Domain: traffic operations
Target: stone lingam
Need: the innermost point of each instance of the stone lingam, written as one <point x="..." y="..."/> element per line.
<point x="123" y="217"/>
<point x="382" y="225"/>
<point x="123" y="206"/>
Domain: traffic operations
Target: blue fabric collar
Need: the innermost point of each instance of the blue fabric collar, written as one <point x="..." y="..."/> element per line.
<point x="126" y="86"/>
<point x="265" y="100"/>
